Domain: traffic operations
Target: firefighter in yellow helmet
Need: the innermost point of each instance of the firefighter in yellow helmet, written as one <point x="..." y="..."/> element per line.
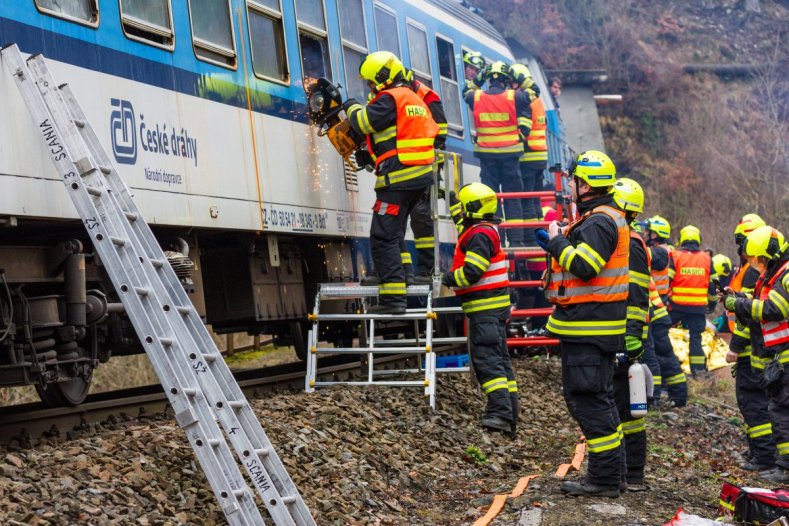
<point x="767" y="313"/>
<point x="722" y="269"/>
<point x="673" y="381"/>
<point x="502" y="117"/>
<point x="692" y="291"/>
<point x="751" y="398"/>
<point x="629" y="197"/>
<point x="479" y="275"/>
<point x="474" y="69"/>
<point x="588" y="285"/>
<point x="400" y="133"/>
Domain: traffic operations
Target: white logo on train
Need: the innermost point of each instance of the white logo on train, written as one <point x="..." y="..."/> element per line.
<point x="157" y="138"/>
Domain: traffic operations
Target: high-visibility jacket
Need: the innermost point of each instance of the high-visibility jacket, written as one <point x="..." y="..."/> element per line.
<point x="496" y="120"/>
<point x="491" y="290"/>
<point x="775" y="333"/>
<point x="657" y="307"/>
<point x="662" y="282"/>
<point x="736" y="286"/>
<point x="609" y="285"/>
<point x="691" y="279"/>
<point x="639" y="264"/>
<point x="436" y="107"/>
<point x="413" y="134"/>
<point x="536" y="149"/>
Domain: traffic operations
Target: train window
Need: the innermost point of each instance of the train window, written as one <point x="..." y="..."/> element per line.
<point x="212" y="31"/>
<point x="450" y="92"/>
<point x="470" y="113"/>
<point x="148" y="20"/>
<point x="354" y="46"/>
<point x="81" y="11"/>
<point x="313" y="39"/>
<point x="267" y="35"/>
<point x="420" y="57"/>
<point x="386" y="29"/>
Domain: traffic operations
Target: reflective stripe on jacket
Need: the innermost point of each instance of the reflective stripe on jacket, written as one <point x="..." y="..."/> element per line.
<point x="691" y="279"/>
<point x="611" y="282"/>
<point x="496" y="120"/>
<point x="413" y="134"/>
<point x="536" y="145"/>
<point x="662" y="282"/>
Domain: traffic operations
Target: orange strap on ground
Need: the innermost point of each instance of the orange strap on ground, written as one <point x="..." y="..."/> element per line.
<point x="499" y="500"/>
<point x="578" y="458"/>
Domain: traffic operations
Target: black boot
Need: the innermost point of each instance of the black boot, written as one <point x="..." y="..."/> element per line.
<point x="778" y="475"/>
<point x="751" y="465"/>
<point x="583" y="487"/>
<point x="496" y="423"/>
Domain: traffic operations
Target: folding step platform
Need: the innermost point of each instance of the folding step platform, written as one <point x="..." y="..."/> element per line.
<point x="207" y="401"/>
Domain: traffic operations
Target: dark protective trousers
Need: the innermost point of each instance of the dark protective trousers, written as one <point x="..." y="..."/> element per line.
<point x="652" y="362"/>
<point x="501" y="173"/>
<point x="588" y="388"/>
<point x="695" y="323"/>
<point x="778" y="395"/>
<point x="673" y="379"/>
<point x="753" y="403"/>
<point x="532" y="179"/>
<point x="387" y="241"/>
<point x="422" y="227"/>
<point x="633" y="429"/>
<point x="492" y="366"/>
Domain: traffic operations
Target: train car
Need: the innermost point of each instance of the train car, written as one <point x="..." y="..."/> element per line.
<point x="202" y="106"/>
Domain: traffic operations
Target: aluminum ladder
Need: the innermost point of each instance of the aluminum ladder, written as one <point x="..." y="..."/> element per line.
<point x="416" y="346"/>
<point x="208" y="403"/>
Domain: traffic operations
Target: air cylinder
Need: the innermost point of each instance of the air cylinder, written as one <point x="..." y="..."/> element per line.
<point x="638" y="390"/>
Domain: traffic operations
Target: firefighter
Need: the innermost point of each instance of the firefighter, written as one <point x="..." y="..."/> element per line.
<point x="474" y="69"/>
<point x="588" y="284"/>
<point x="692" y="292"/>
<point x="721" y="269"/>
<point x="629" y="197"/>
<point x="673" y="380"/>
<point x="768" y="311"/>
<point x="479" y="273"/>
<point x="751" y="398"/>
<point x="502" y="117"/>
<point x="400" y="134"/>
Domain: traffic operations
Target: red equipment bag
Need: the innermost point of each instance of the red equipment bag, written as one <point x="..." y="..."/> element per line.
<point x="753" y="505"/>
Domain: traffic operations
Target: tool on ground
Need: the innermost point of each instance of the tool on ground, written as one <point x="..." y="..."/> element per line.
<point x="325" y="110"/>
<point x="208" y="403"/>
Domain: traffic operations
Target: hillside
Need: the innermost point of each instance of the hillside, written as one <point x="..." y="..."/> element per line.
<point x="707" y="148"/>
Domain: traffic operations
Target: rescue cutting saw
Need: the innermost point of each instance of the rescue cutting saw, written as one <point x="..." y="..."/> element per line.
<point x="325" y="110"/>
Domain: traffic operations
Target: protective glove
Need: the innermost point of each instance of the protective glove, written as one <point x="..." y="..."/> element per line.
<point x="734" y="370"/>
<point x="348" y="103"/>
<point x="634" y="347"/>
<point x="729" y="300"/>
<point x="481" y="77"/>
<point x="542" y="238"/>
<point x="446" y="279"/>
<point x="363" y="159"/>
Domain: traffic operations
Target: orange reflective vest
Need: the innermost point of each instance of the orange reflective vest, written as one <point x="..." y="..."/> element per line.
<point x="774" y="332"/>
<point x="496" y="120"/>
<point x="661" y="278"/>
<point x="609" y="285"/>
<point x="691" y="278"/>
<point x="658" y="307"/>
<point x="414" y="132"/>
<point x="536" y="144"/>
<point x="736" y="286"/>
<point x="495" y="276"/>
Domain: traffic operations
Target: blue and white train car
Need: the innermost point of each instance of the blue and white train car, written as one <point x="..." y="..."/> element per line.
<point x="201" y="104"/>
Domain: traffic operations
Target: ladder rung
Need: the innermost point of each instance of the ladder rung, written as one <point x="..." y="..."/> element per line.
<point x="214" y="442"/>
<point x="106" y="170"/>
<point x="167" y="342"/>
<point x="157" y="263"/>
<point x="118" y="241"/>
<point x="363" y="350"/>
<point x="93" y="190"/>
<point x="235" y="404"/>
<point x="263" y="452"/>
<point x="239" y="493"/>
<point x="131" y="216"/>
<point x="190" y="392"/>
<point x="79" y="123"/>
<point x="210" y="357"/>
<point x="184" y="309"/>
<point x="416" y="314"/>
<point x="290" y="499"/>
<point x="142" y="291"/>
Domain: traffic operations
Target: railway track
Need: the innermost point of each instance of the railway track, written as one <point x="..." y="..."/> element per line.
<point x="27" y="423"/>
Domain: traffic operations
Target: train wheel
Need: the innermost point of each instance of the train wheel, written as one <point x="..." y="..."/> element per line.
<point x="299" y="337"/>
<point x="64" y="394"/>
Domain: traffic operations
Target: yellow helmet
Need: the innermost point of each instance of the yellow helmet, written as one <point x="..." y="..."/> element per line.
<point x="477" y="200"/>
<point x="382" y="68"/>
<point x="628" y="195"/>
<point x="594" y="167"/>
<point x="522" y="75"/>
<point x="499" y="72"/>
<point x="474" y="59"/>
<point x="689" y="233"/>
<point x="747" y="224"/>
<point x="721" y="265"/>
<point x="637" y="226"/>
<point x="765" y="241"/>
<point x="660" y="226"/>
